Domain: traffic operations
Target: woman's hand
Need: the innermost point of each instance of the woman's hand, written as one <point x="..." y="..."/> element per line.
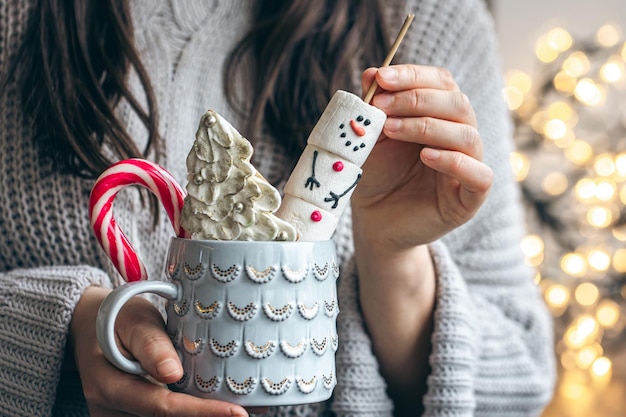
<point x="140" y="331"/>
<point x="423" y="179"/>
<point x="425" y="176"/>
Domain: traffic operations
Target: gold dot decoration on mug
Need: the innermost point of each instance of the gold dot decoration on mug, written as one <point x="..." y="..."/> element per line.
<point x="193" y="273"/>
<point x="275" y="388"/>
<point x="308" y="313"/>
<point x="260" y="352"/>
<point x="278" y="314"/>
<point x="207" y="312"/>
<point x="295" y="276"/>
<point x="329" y="308"/>
<point x="223" y="351"/>
<point x="328" y="381"/>
<point x="306" y="387"/>
<point x="293" y="351"/>
<point x="319" y="347"/>
<point x="241" y="313"/>
<point x="225" y="275"/>
<point x="181" y="309"/>
<point x="265" y="350"/>
<point x="207" y="385"/>
<point x="261" y="276"/>
<point x="321" y="272"/>
<point x="248" y="311"/>
<point x="241" y="388"/>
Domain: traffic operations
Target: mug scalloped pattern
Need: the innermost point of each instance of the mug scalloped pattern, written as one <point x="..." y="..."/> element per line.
<point x="254" y="323"/>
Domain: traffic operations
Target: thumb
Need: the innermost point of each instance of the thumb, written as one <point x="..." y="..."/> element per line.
<point x="141" y="331"/>
<point x="367" y="79"/>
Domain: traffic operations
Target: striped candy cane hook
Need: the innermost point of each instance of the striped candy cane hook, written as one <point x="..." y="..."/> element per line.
<point x="118" y="176"/>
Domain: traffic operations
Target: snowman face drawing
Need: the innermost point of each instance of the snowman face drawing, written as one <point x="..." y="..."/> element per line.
<point x="353" y="131"/>
<point x="348" y="127"/>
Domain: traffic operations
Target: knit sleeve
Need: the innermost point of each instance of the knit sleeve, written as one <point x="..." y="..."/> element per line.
<point x="36" y="308"/>
<point x="492" y="353"/>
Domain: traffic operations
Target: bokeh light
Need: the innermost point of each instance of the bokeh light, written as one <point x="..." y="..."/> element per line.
<point x="608" y="313"/>
<point x="574" y="264"/>
<point x="586" y="294"/>
<point x="520" y="165"/>
<point x="588" y="92"/>
<point x="608" y="35"/>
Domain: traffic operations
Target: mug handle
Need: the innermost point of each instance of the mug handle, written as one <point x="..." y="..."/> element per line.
<point x="111" y="306"/>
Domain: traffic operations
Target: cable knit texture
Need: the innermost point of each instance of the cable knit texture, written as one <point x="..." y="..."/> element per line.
<point x="491" y="354"/>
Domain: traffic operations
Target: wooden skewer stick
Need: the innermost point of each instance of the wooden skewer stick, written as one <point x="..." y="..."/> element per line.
<point x="392" y="52"/>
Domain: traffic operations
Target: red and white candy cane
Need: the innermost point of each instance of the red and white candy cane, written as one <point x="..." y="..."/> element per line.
<point x="110" y="236"/>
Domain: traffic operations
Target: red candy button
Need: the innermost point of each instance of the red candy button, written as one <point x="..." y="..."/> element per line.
<point x="338" y="166"/>
<point x="316" y="216"/>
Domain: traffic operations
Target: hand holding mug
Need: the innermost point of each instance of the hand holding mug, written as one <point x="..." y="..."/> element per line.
<point x="112" y="392"/>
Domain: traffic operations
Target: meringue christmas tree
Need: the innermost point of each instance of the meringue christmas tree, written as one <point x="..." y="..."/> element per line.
<point x="227" y="199"/>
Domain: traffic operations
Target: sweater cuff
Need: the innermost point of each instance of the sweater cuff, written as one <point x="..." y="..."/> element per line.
<point x="36" y="307"/>
<point x="454" y="342"/>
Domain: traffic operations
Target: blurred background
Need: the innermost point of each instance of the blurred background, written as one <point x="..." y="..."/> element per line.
<point x="565" y="64"/>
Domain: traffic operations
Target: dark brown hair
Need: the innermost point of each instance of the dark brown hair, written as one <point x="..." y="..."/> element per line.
<point x="76" y="57"/>
<point x="303" y="51"/>
<point x="71" y="71"/>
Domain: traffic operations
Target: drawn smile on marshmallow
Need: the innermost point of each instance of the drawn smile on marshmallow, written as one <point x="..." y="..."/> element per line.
<point x="357" y="129"/>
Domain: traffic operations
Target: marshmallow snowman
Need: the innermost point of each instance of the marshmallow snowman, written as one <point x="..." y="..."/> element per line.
<point x="329" y="169"/>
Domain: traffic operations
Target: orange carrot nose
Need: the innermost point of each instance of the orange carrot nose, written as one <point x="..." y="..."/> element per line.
<point x="358" y="130"/>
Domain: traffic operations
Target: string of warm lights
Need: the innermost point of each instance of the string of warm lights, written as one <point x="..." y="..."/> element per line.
<point x="571" y="164"/>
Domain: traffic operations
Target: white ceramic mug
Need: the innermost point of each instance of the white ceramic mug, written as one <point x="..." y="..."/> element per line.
<point x="254" y="323"/>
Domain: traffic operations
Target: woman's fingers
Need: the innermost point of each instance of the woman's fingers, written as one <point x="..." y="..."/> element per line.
<point x="140" y="397"/>
<point x="425" y="106"/>
<point x="442" y="104"/>
<point x="474" y="178"/>
<point x="472" y="174"/>
<point x="407" y="77"/>
<point x="141" y="330"/>
<point x="436" y="133"/>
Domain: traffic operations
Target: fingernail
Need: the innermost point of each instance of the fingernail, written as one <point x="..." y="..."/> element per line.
<point x="238" y="412"/>
<point x="430" y="154"/>
<point x="168" y="367"/>
<point x="393" y="124"/>
<point x="383" y="100"/>
<point x="388" y="73"/>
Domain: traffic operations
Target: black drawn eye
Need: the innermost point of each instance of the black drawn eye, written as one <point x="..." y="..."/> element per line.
<point x="367" y="122"/>
<point x="359" y="118"/>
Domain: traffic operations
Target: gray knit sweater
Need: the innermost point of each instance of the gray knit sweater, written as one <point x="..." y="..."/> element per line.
<point x="492" y="352"/>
